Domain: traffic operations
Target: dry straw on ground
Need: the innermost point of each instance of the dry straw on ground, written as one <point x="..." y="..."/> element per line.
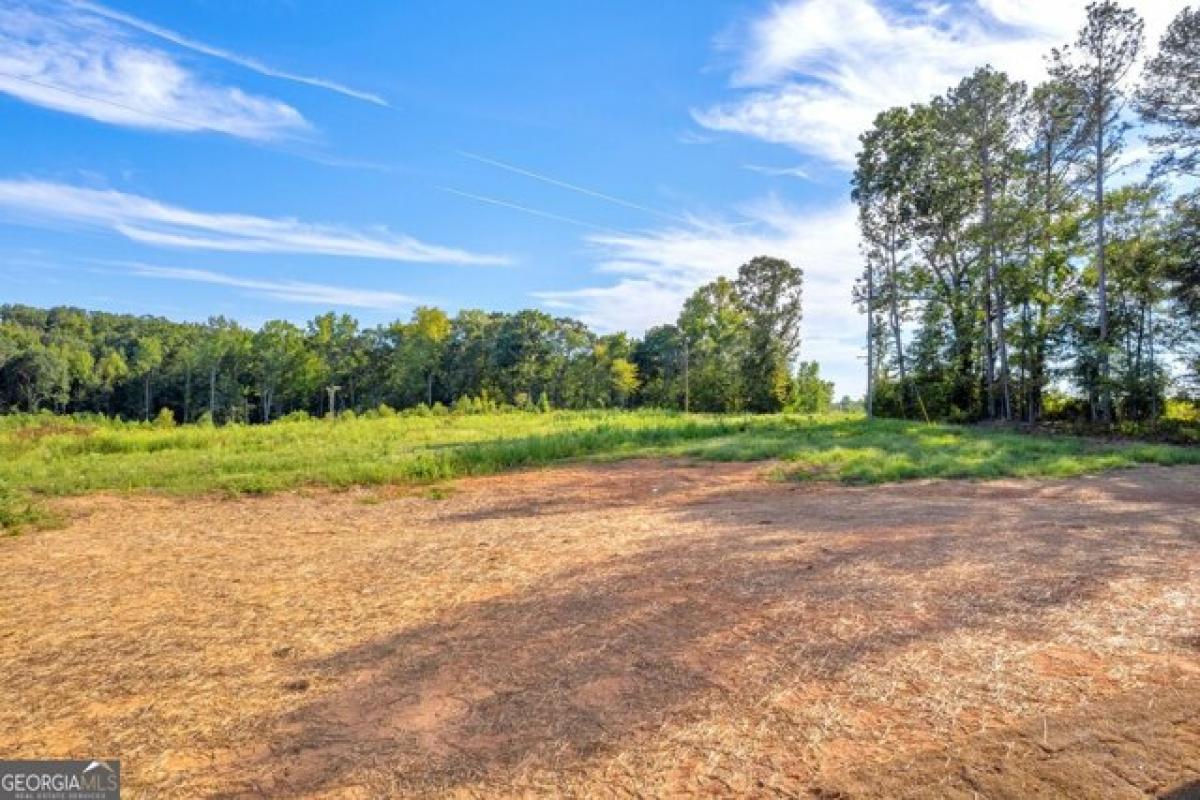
<point x="635" y="629"/>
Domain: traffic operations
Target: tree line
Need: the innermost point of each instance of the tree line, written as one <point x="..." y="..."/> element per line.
<point x="1006" y="255"/>
<point x="732" y="349"/>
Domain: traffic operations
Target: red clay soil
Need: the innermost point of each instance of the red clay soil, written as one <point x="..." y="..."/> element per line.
<point x="642" y="629"/>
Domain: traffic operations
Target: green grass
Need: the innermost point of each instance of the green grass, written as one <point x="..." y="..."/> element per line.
<point x="20" y="511"/>
<point x="59" y="456"/>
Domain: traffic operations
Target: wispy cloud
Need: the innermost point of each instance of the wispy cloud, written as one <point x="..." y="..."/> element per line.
<point x="778" y="172"/>
<point x="572" y="187"/>
<point x="654" y="272"/>
<point x="693" y="137"/>
<point x="78" y="63"/>
<point x="319" y="294"/>
<point x="151" y="222"/>
<point x="495" y="201"/>
<point x="812" y="74"/>
<point x="247" y="62"/>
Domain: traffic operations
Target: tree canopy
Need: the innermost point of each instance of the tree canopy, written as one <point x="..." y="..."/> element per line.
<point x="736" y="342"/>
<point x="1007" y="258"/>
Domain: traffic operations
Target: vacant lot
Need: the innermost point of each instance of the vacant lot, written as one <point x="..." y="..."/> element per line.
<point x="641" y="628"/>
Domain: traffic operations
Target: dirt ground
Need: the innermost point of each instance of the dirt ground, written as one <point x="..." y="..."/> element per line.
<point x="641" y="629"/>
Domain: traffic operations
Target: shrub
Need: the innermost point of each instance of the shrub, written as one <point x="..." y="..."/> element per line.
<point x="1180" y="410"/>
<point x="419" y="410"/>
<point x="18" y="511"/>
<point x="1059" y="406"/>
<point x="165" y="418"/>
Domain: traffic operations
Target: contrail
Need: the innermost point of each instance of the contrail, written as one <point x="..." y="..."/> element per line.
<point x="226" y="55"/>
<point x="536" y="212"/>
<point x="571" y="186"/>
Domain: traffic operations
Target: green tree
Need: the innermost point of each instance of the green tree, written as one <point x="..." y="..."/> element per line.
<point x="279" y="358"/>
<point x="1096" y="68"/>
<point x="424" y="345"/>
<point x="890" y="152"/>
<point x="659" y="361"/>
<point x="812" y="395"/>
<point x="147" y="358"/>
<point x="41" y="374"/>
<point x="945" y="202"/>
<point x="986" y="110"/>
<point x="523" y="354"/>
<point x="1053" y="230"/>
<point x="623" y="380"/>
<point x="769" y="292"/>
<point x="111" y="370"/>
<point x="1137" y="257"/>
<point x="714" y="332"/>
<point x="1170" y="95"/>
<point x="469" y="354"/>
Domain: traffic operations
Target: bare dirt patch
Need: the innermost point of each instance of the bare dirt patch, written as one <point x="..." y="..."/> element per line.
<point x="635" y="629"/>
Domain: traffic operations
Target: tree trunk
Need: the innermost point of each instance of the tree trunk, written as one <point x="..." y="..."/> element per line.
<point x="1002" y="342"/>
<point x="894" y="303"/>
<point x="212" y="391"/>
<point x="964" y="380"/>
<point x="1101" y="265"/>
<point x="187" y="395"/>
<point x="687" y="378"/>
<point x="995" y="300"/>
<point x="1038" y="377"/>
<point x="1150" y="357"/>
<point x="1027" y="360"/>
<point x="989" y="352"/>
<point x="870" y="341"/>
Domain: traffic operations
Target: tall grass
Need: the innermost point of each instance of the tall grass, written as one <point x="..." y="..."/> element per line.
<point x="46" y="455"/>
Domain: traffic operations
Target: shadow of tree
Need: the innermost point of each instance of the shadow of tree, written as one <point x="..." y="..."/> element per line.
<point x="746" y="591"/>
<point x="1189" y="791"/>
<point x="1130" y="745"/>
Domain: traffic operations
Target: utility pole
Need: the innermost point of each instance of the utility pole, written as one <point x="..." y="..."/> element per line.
<point x="687" y="386"/>
<point x="332" y="391"/>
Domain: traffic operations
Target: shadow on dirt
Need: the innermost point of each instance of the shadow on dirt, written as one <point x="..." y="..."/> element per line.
<point x="1190" y="791"/>
<point x="748" y="591"/>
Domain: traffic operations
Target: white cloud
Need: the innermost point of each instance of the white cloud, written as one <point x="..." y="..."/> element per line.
<point x="81" y="64"/>
<point x="288" y="291"/>
<point x="814" y="73"/>
<point x="247" y="62"/>
<point x="149" y="221"/>
<point x="778" y="172"/>
<point x="659" y="269"/>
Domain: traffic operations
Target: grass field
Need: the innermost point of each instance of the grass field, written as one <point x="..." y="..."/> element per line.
<point x="759" y="607"/>
<point x="53" y="456"/>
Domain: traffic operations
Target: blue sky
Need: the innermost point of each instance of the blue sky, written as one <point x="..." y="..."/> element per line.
<point x="266" y="158"/>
